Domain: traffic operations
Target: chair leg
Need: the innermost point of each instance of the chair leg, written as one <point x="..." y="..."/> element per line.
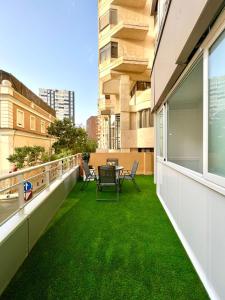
<point x="97" y="189"/>
<point x="137" y="187"/>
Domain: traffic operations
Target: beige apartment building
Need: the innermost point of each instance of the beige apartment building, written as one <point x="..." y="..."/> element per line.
<point x="126" y="51"/>
<point x="24" y="119"/>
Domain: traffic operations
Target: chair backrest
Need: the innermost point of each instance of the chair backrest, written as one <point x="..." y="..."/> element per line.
<point x="112" y="161"/>
<point x="86" y="169"/>
<point x="107" y="174"/>
<point x="134" y="168"/>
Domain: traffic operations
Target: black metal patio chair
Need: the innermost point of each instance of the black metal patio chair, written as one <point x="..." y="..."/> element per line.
<point x="130" y="175"/>
<point x="89" y="175"/>
<point x="107" y="178"/>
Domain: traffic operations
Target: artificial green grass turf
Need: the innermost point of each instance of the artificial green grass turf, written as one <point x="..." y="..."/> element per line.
<point x="108" y="250"/>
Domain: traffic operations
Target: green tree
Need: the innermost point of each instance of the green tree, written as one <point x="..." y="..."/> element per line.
<point x="28" y="156"/>
<point x="91" y="146"/>
<point x="70" y="138"/>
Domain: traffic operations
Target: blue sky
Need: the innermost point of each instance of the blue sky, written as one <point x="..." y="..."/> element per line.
<point x="53" y="44"/>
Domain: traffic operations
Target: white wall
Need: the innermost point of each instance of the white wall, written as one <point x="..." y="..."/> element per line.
<point x="198" y="215"/>
<point x="22" y="231"/>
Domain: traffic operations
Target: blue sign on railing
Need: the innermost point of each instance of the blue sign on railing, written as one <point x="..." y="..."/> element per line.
<point x="27" y="186"/>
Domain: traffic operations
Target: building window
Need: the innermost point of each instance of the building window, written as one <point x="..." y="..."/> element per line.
<point x="146" y="118"/>
<point x="20" y="118"/>
<point x="109" y="18"/>
<point x="43" y="127"/>
<point x="185" y="121"/>
<point x="32" y="123"/>
<point x="216" y="108"/>
<point x="108" y="52"/>
<point x="140" y="86"/>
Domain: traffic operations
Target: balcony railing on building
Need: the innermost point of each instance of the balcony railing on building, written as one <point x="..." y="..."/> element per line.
<point x="131" y="26"/>
<point x="119" y="58"/>
<point x="14" y="194"/>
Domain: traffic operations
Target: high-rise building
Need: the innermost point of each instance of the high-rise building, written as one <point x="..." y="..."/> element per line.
<point x="91" y="127"/>
<point x="24" y="119"/>
<point x="62" y="101"/>
<point x="126" y="51"/>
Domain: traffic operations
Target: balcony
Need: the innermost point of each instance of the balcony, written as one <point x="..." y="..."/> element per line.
<point x="120" y="58"/>
<point x="104" y="106"/>
<point x="130" y="3"/>
<point x="130" y="64"/>
<point x="131" y="30"/>
<point x="95" y="250"/>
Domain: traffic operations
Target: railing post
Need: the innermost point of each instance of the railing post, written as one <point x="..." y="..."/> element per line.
<point x="61" y="168"/>
<point x="47" y="175"/>
<point x="20" y="189"/>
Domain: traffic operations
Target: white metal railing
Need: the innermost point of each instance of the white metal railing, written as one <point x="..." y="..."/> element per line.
<point x="14" y="187"/>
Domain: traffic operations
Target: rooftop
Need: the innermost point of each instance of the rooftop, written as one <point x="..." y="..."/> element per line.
<point x="108" y="250"/>
<point x="24" y="91"/>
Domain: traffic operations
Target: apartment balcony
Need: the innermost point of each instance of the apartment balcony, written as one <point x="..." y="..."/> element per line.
<point x="125" y="63"/>
<point x="129" y="64"/>
<point x="138" y="138"/>
<point x="130" y="3"/>
<point x="104" y="106"/>
<point x="130" y="30"/>
<point x="118" y="57"/>
<point x="98" y="250"/>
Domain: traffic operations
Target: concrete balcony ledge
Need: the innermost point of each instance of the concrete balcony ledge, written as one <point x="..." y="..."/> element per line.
<point x="130" y="30"/>
<point x="130" y="64"/>
<point x="130" y="3"/>
<point x="104" y="106"/>
<point x="139" y="106"/>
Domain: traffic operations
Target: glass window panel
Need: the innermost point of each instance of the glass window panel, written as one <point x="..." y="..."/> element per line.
<point x="113" y="16"/>
<point x="114" y="50"/>
<point x="20" y="118"/>
<point x="216" y="117"/>
<point x="108" y="52"/>
<point x="185" y="121"/>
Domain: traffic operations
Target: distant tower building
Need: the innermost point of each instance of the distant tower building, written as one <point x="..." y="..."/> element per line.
<point x="91" y="127"/>
<point x="62" y="101"/>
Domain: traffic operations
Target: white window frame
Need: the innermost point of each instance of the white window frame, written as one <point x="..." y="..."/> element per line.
<point x="17" y="118"/>
<point x="190" y="67"/>
<point x="34" y="118"/>
<point x="207" y="175"/>
<point x="163" y="109"/>
<point x="43" y="124"/>
<point x="214" y="181"/>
